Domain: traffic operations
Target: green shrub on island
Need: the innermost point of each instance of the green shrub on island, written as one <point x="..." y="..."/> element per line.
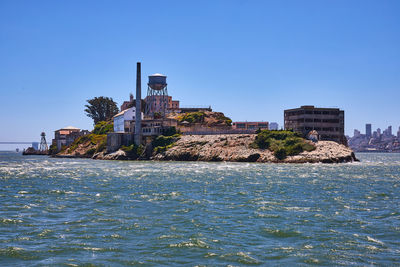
<point x="192" y="117"/>
<point x="90" y="152"/>
<point x="63" y="148"/>
<point x="95" y="142"/>
<point x="280" y="154"/>
<point x="161" y="143"/>
<point x="52" y="149"/>
<point x="225" y="119"/>
<point x="102" y="145"/>
<point x="133" y="151"/>
<point x="103" y="127"/>
<point x="282" y="143"/>
<point x="171" y="131"/>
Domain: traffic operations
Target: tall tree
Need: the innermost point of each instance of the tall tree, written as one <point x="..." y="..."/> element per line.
<point x="101" y="108"/>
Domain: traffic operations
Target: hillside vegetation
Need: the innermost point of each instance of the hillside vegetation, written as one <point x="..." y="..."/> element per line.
<point x="282" y="143"/>
<point x="88" y="145"/>
<point x="207" y="118"/>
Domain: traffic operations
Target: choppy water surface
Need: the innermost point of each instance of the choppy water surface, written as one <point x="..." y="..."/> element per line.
<point x="77" y="211"/>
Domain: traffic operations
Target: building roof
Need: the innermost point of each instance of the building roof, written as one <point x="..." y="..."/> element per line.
<point x="254" y="122"/>
<point x="69" y="128"/>
<point x="158" y="74"/>
<point x="311" y="108"/>
<point x="123" y="112"/>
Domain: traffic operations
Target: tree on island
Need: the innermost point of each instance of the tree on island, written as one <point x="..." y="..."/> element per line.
<point x="101" y="108"/>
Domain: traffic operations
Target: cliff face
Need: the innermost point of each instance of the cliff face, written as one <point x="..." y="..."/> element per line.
<point x="236" y="147"/>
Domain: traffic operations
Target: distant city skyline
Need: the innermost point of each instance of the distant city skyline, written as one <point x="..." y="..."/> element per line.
<point x="369" y="126"/>
<point x="375" y="141"/>
<point x="248" y="59"/>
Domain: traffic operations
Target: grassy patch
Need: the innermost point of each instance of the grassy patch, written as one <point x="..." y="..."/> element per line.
<point x="133" y="151"/>
<point x="162" y="143"/>
<point x="94" y="142"/>
<point x="103" y="127"/>
<point x="225" y="119"/>
<point x="192" y="117"/>
<point x="282" y="143"/>
<point x="53" y="149"/>
<point x="90" y="152"/>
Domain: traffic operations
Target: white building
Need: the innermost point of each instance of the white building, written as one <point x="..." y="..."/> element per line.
<point x="122" y="121"/>
<point x="273" y="126"/>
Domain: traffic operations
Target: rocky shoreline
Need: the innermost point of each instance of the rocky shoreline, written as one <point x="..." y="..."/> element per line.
<point x="236" y="148"/>
<point x="232" y="148"/>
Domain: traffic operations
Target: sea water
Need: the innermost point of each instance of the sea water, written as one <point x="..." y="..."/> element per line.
<point x="140" y="213"/>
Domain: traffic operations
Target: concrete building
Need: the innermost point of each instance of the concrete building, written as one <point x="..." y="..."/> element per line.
<point x="328" y="122"/>
<point x="388" y="132"/>
<point x="157" y="126"/>
<point x="368" y="130"/>
<point x="273" y="126"/>
<point x="149" y="129"/>
<point x="122" y="121"/>
<point x="157" y="102"/>
<point x="66" y="136"/>
<point x="356" y="133"/>
<point x="250" y="125"/>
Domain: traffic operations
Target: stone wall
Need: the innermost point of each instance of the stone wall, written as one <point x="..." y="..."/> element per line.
<point x="116" y="140"/>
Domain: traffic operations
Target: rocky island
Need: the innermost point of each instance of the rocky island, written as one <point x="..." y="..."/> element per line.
<point x="238" y="148"/>
<point x="265" y="146"/>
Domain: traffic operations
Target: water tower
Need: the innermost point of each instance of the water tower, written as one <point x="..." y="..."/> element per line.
<point x="157" y="95"/>
<point x="43" y="143"/>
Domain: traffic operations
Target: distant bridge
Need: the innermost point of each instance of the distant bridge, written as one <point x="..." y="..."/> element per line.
<point x="17" y="143"/>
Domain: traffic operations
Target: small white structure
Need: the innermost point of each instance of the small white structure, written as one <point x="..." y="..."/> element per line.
<point x="313" y="136"/>
<point x="122" y="121"/>
<point x="273" y="126"/>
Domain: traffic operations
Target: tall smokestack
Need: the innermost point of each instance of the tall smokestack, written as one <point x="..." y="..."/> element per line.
<point x="138" y="120"/>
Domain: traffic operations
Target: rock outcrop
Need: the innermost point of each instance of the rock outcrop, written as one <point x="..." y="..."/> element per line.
<point x="236" y="147"/>
<point x="32" y="151"/>
<point x="117" y="155"/>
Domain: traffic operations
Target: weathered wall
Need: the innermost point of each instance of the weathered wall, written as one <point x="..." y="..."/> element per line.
<point x="116" y="140"/>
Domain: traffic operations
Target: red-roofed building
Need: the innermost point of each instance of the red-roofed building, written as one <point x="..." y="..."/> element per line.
<point x="66" y="136"/>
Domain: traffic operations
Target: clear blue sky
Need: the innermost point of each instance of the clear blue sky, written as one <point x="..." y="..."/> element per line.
<point x="248" y="59"/>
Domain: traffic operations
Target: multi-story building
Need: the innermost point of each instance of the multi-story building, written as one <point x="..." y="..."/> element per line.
<point x="157" y="126"/>
<point x="368" y="130"/>
<point x="122" y="121"/>
<point x="328" y="122"/>
<point x="273" y="126"/>
<point x="66" y="136"/>
<point x="250" y="125"/>
<point x="170" y="106"/>
<point x="388" y="132"/>
<point x="356" y="133"/>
